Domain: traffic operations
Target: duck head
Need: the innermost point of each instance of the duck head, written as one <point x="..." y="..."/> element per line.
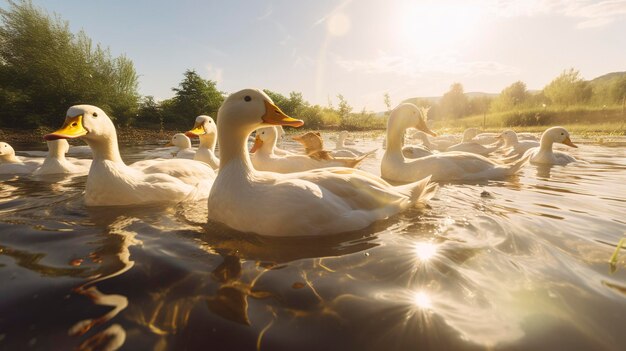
<point x="470" y="133"/>
<point x="84" y="121"/>
<point x="180" y="140"/>
<point x="312" y="141"/>
<point x="204" y="125"/>
<point x="509" y="137"/>
<point x="408" y="115"/>
<point x="7" y="153"/>
<point x="557" y="135"/>
<point x="250" y="109"/>
<point x="94" y="126"/>
<point x="205" y="129"/>
<point x="265" y="136"/>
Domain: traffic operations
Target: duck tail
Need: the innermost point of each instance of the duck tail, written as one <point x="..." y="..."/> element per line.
<point x="369" y="153"/>
<point x="513" y="168"/>
<point x="357" y="160"/>
<point x="419" y="191"/>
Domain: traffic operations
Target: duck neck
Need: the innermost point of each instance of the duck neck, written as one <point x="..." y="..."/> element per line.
<point x="208" y="141"/>
<point x="234" y="148"/>
<point x="545" y="145"/>
<point x="268" y="146"/>
<point x="424" y="138"/>
<point x="105" y="148"/>
<point x="395" y="136"/>
<point x="9" y="158"/>
<point x="340" y="140"/>
<point x="467" y="137"/>
<point x="512" y="141"/>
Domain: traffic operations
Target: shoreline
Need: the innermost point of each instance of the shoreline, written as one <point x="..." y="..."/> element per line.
<point x="138" y="136"/>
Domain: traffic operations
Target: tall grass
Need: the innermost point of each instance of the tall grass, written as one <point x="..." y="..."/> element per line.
<point x="586" y="119"/>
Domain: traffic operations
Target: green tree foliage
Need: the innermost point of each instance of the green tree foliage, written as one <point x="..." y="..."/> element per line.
<point x="45" y="68"/>
<point x="479" y="105"/>
<point x="511" y="97"/>
<point x="568" y="89"/>
<point x="344" y="108"/>
<point x="150" y="113"/>
<point x="290" y="105"/>
<point x="387" y="100"/>
<point x="454" y="103"/>
<point x="609" y="90"/>
<point x="194" y="96"/>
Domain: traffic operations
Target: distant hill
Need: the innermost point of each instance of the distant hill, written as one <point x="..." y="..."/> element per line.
<point x="607" y="78"/>
<point x="435" y="99"/>
<point x="603" y="79"/>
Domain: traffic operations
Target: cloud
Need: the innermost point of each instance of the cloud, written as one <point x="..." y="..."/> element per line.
<point x="215" y="73"/>
<point x="414" y="67"/>
<point x="589" y="13"/>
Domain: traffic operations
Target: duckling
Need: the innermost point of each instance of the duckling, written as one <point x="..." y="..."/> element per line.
<point x="264" y="159"/>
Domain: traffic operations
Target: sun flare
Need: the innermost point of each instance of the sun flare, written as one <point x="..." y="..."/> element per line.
<point x="425" y="251"/>
<point x="431" y="25"/>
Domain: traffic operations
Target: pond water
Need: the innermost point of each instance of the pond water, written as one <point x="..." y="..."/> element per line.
<point x="519" y="264"/>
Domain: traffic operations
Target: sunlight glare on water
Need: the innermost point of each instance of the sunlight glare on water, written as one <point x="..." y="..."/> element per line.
<point x="516" y="264"/>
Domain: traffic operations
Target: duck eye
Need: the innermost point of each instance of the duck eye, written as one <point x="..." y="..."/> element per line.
<point x="247" y="98"/>
<point x="95" y="114"/>
<point x="562" y="134"/>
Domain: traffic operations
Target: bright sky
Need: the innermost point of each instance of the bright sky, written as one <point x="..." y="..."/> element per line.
<point x="360" y="48"/>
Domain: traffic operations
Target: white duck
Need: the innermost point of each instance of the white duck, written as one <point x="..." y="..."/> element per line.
<point x="319" y="202"/>
<point x="205" y="129"/>
<point x="56" y="163"/>
<point x="516" y="146"/>
<point x="543" y="154"/>
<point x="415" y="151"/>
<point x="278" y="150"/>
<point x="439" y="145"/>
<point x="264" y="159"/>
<point x="341" y="148"/>
<point x="11" y="164"/>
<point x="111" y="182"/>
<point x="183" y="145"/>
<point x="469" y="145"/>
<point x="443" y="166"/>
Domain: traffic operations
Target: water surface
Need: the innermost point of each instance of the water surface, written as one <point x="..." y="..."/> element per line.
<point x="518" y="264"/>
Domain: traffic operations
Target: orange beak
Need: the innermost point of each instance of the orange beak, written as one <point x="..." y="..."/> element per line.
<point x="424" y="128"/>
<point x="274" y="116"/>
<point x="257" y="144"/>
<point x="568" y="142"/>
<point x="196" y="131"/>
<point x="72" y="128"/>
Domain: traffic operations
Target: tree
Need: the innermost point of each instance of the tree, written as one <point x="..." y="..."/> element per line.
<point x="45" y="68"/>
<point x="344" y="107"/>
<point x="289" y="105"/>
<point x="150" y="112"/>
<point x="511" y="97"/>
<point x="387" y="101"/>
<point x="194" y="96"/>
<point x="568" y="89"/>
<point x="454" y="102"/>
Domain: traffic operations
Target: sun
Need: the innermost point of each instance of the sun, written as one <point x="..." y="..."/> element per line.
<point x="437" y="25"/>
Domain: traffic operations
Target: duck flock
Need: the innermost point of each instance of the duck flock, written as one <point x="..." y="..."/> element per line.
<point x="275" y="192"/>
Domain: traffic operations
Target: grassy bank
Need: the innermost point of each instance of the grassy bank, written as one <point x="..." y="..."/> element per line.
<point x="124" y="135"/>
<point x="577" y="119"/>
